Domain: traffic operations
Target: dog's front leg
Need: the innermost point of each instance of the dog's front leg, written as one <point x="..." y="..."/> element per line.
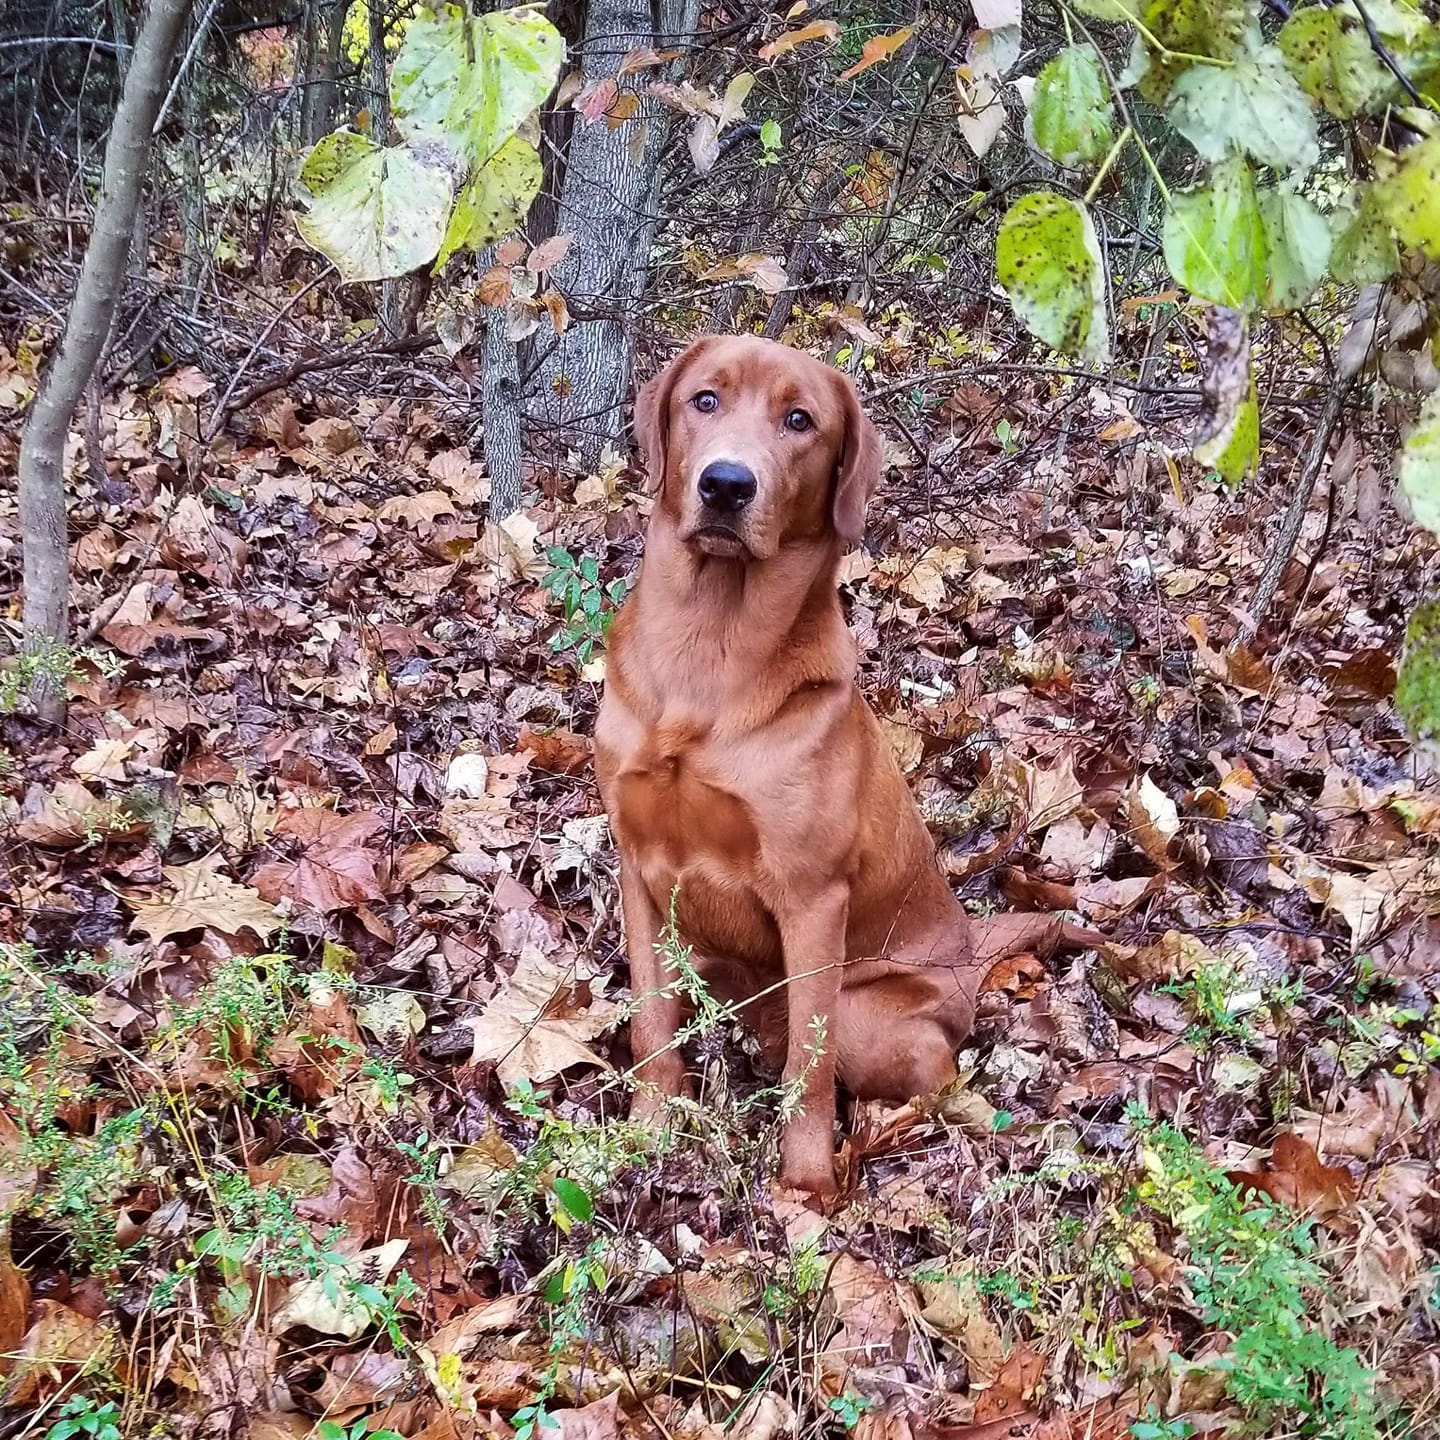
<point x="813" y="937"/>
<point x="658" y="1064"/>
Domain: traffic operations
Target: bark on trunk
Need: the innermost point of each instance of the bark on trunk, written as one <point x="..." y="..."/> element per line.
<point x="391" y="292"/>
<point x="102" y="275"/>
<point x="607" y="202"/>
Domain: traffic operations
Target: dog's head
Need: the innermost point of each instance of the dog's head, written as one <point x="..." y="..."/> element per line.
<point x="753" y="445"/>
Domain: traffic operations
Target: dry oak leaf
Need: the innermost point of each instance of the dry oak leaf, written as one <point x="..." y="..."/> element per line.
<point x="203" y="898"/>
<point x="538" y="1024"/>
<point x="1015" y="1385"/>
<point x="1238" y="667"/>
<point x="333" y="870"/>
<point x="955" y="1308"/>
<point x="874" y="1336"/>
<point x="1296" y="1176"/>
<point x="59" y="1339"/>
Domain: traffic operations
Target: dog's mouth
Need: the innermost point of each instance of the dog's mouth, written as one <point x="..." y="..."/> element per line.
<point x="713" y="538"/>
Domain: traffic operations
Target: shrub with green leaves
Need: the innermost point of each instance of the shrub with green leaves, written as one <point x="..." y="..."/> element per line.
<point x="462" y="89"/>
<point x="1272" y="110"/>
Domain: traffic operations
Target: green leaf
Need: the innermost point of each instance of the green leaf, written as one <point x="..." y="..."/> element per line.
<point x="374" y="213"/>
<point x="494" y="202"/>
<point x="1215" y="238"/>
<point x="1410" y="198"/>
<point x="1234" y="448"/>
<point x="1215" y="28"/>
<point x="1417" y="686"/>
<point x="1071" y="111"/>
<point x="1113" y="10"/>
<point x="462" y="87"/>
<point x="770" y="135"/>
<point x="575" y="1199"/>
<point x="1048" y="260"/>
<point x="1419" y="469"/>
<point x="1364" y="252"/>
<point x="1253" y="107"/>
<point x="1297" y="241"/>
<point x="1329" y="53"/>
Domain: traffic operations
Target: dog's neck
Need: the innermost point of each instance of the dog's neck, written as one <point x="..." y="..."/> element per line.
<point x="738" y="621"/>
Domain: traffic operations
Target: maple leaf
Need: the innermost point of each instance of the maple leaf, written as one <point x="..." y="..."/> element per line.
<point x="538" y="1024"/>
<point x="333" y="870"/>
<point x="420" y="511"/>
<point x="203" y="898"/>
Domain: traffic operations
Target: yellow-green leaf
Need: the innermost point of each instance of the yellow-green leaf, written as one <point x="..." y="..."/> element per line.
<point x="494" y="202"/>
<point x="1215" y="238"/>
<point x="1410" y="198"/>
<point x="1071" y="111"/>
<point x="1297" y="244"/>
<point x="1419" y="469"/>
<point x="465" y="85"/>
<point x="1048" y="260"/>
<point x="1329" y="53"/>
<point x="375" y="213"/>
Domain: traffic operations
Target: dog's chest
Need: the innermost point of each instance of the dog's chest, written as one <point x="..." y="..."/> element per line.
<point x="669" y="808"/>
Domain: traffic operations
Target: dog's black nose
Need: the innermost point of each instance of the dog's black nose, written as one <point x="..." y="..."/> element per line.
<point x="724" y="485"/>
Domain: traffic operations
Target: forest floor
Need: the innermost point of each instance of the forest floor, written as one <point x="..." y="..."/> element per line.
<point x="312" y="1058"/>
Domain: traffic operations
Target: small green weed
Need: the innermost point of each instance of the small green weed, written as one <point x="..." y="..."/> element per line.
<point x="770" y="142"/>
<point x="359" y="1430"/>
<point x="1222" y="1001"/>
<point x="48" y="665"/>
<point x="848" y="1408"/>
<point x="80" y="1415"/>
<point x="589" y="605"/>
<point x="1253" y="1271"/>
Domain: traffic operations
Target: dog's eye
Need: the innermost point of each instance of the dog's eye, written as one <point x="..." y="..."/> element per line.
<point x="707" y="402"/>
<point x="799" y="421"/>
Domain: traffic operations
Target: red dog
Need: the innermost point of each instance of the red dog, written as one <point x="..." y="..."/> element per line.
<point x="742" y="770"/>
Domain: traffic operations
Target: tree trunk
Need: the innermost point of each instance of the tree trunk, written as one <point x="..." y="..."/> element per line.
<point x="391" y="291"/>
<point x="307" y="72"/>
<point x="42" y="470"/>
<point x="608" y="203"/>
<point x="192" y="197"/>
<point x="504" y="441"/>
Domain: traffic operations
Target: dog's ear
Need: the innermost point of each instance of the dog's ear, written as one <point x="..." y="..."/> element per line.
<point x="861" y="461"/>
<point x="652" y="413"/>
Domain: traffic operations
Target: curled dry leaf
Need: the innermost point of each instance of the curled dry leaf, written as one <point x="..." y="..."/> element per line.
<point x="784" y="44"/>
<point x="1154" y="820"/>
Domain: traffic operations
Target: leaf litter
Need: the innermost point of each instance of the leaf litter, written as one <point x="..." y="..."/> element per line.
<point x="314" y="1075"/>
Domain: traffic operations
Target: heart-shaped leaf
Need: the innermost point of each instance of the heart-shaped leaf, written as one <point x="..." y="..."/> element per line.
<point x="1071" y="114"/>
<point x="1048" y="260"/>
<point x="376" y="213"/>
<point x="1215" y="238"/>
<point x="1297" y="241"/>
<point x="463" y="86"/>
<point x="495" y="200"/>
